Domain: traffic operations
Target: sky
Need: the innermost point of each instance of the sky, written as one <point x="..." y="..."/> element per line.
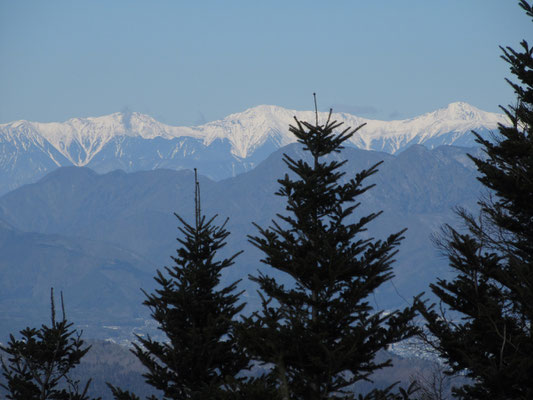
<point x="189" y="62"/>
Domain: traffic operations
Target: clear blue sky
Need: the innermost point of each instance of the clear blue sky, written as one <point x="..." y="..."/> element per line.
<point x="187" y="62"/>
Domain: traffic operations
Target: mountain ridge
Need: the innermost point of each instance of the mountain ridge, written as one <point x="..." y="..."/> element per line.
<point x="458" y="116"/>
<point x="220" y="149"/>
<point x="74" y="208"/>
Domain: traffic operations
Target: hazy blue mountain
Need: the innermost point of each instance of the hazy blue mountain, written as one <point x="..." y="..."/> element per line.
<point x="120" y="226"/>
<point x="100" y="282"/>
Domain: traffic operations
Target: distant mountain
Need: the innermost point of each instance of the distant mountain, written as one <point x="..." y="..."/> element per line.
<point x="100" y="281"/>
<point x="416" y="188"/>
<point x="220" y="149"/>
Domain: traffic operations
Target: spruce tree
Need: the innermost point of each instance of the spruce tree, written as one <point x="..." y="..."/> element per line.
<point x="201" y="359"/>
<point x="321" y="334"/>
<point x="38" y="365"/>
<point x="484" y="325"/>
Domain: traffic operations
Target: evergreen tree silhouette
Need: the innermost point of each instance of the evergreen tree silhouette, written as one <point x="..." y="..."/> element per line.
<point x="38" y="365"/>
<point x="321" y="335"/>
<point x="487" y="330"/>
<point x="201" y="359"/>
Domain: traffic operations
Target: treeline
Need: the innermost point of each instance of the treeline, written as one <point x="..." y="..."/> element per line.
<point x="111" y="362"/>
<point x="319" y="337"/>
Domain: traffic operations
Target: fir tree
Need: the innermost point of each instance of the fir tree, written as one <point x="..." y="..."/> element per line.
<point x="488" y="331"/>
<point x="38" y="365"/>
<point x="322" y="334"/>
<point x="201" y="358"/>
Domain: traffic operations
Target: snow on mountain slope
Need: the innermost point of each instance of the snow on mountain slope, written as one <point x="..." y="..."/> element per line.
<point x="80" y="139"/>
<point x="92" y="134"/>
<point x="450" y="125"/>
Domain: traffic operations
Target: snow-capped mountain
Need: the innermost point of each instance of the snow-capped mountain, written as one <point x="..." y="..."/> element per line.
<point x="452" y="125"/>
<point x="220" y="149"/>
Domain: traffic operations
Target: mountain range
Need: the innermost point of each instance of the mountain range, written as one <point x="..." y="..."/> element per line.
<point x="221" y="149"/>
<point x="100" y="237"/>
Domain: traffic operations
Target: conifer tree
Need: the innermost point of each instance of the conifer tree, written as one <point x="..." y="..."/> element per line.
<point x="201" y="358"/>
<point x="38" y="365"/>
<point x="484" y="326"/>
<point x="321" y="334"/>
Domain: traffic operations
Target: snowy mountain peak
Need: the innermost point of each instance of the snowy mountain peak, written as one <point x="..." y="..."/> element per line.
<point x="460" y="111"/>
<point x="80" y="139"/>
<point x="450" y="125"/>
<point x="132" y="141"/>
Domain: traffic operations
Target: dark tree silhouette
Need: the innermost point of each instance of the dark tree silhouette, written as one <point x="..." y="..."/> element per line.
<point x="201" y="359"/>
<point x="321" y="335"/>
<point x="38" y="365"/>
<point x="484" y="326"/>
